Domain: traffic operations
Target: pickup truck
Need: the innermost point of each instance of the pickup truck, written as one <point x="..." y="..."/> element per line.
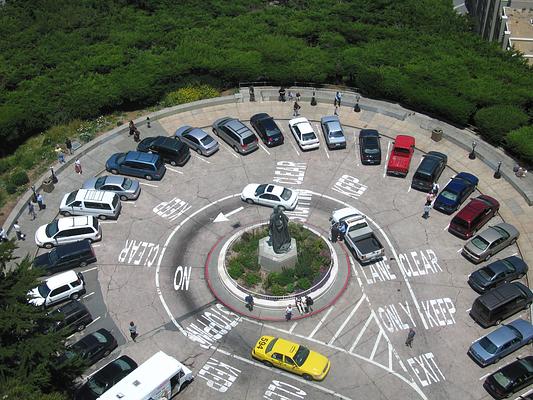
<point x="359" y="237"/>
<point x="401" y="154"/>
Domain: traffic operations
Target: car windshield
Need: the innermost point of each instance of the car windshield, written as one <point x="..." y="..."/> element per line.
<point x="480" y="243"/>
<point x="206" y="140"/>
<point x="99" y="182"/>
<point x="508" y="266"/>
<point x="486" y="273"/>
<point x="260" y="189"/>
<point x="527" y="365"/>
<point x="120" y="159"/>
<point x="515" y="331"/>
<point x="336" y="134"/>
<point x="126" y="183"/>
<point x="308" y="136"/>
<point x="449" y="195"/>
<point x="249" y="139"/>
<point x="371" y="145"/>
<point x="286" y="194"/>
<point x="98" y="336"/>
<point x="487" y="345"/>
<point x="399" y="151"/>
<point x="43" y="290"/>
<point x="502" y="379"/>
<point x="51" y="228"/>
<point x="301" y="355"/>
<point x="270" y="127"/>
<point x="503" y="233"/>
<point x="96" y="386"/>
<point x="271" y="345"/>
<point x="71" y="197"/>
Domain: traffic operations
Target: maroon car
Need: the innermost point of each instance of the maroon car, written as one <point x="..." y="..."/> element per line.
<point x="473" y="216"/>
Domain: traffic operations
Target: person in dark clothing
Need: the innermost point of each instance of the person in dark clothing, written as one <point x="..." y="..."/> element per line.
<point x="281" y="94"/>
<point x="249" y="302"/>
<point x="132" y="128"/>
<point x="410" y="337"/>
<point x="309" y="303"/>
<point x="334" y="232"/>
<point x="68" y="145"/>
<point x="137" y="135"/>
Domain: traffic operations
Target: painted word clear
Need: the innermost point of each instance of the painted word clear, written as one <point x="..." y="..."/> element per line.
<point x="139" y="253"/>
<point x="350" y="186"/>
<point x="211" y="326"/>
<point x="172" y="209"/>
<point x="289" y="173"/>
<point x="302" y="210"/>
<point x="426" y="369"/>
<point x="283" y="391"/>
<point x="419" y="263"/>
<point x="219" y="376"/>
<point x="182" y="278"/>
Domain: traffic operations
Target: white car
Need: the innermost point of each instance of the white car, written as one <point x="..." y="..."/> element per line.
<point x="68" y="230"/>
<point x="304" y="134"/>
<point x="67" y="285"/>
<point x="270" y="195"/>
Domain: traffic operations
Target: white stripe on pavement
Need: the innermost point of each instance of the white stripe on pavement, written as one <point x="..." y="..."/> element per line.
<point x="347" y="319"/>
<point x="320" y="322"/>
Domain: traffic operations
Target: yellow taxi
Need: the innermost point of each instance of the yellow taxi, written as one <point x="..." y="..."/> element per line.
<point x="292" y="357"/>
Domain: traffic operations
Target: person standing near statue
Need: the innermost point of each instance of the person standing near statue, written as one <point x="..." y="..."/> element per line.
<point x="278" y="228"/>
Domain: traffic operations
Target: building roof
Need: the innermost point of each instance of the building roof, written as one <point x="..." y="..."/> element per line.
<point x="520" y="26"/>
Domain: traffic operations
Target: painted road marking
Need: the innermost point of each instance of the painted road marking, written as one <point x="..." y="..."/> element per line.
<point x="90" y="269"/>
<point x="336" y="335"/>
<point x="96" y="245"/>
<point x="87" y="295"/>
<point x="175" y="170"/>
<point x="221" y="217"/>
<point x="214" y="371"/>
<point x="424" y="266"/>
<point x="172" y="209"/>
<point x="292" y="327"/>
<point x="380" y="334"/>
<point x="425" y="363"/>
<point x="94" y="320"/>
<point x="216" y="323"/>
<point x="370" y="318"/>
<point x="318" y="129"/>
<point x="317" y="327"/>
<point x="379" y="271"/>
<point x="287" y="389"/>
<point x="134" y="252"/>
<point x="182" y="278"/>
<point x="289" y="173"/>
<point x="386" y="160"/>
<point x="446" y="228"/>
<point x="349" y="186"/>
<point x="148" y="184"/>
<point x="227" y="148"/>
<point x="234" y="211"/>
<point x="303" y="208"/>
<point x="295" y="149"/>
<point x="265" y="150"/>
<point x="201" y="159"/>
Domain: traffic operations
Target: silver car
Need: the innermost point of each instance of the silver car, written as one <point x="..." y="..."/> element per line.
<point x="333" y="133"/>
<point x="197" y="139"/>
<point x="126" y="188"/>
<point x="489" y="242"/>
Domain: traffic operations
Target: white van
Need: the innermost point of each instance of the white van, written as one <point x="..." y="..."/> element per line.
<point x="68" y="230"/>
<point x="161" y="377"/>
<point x="99" y="203"/>
<point x="64" y="286"/>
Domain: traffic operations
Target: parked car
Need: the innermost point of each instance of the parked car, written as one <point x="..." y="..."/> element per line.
<point x="303" y="133"/>
<point x="369" y="147"/>
<point x="126" y="188"/>
<point x="65" y="257"/>
<point x="72" y="316"/>
<point x="489" y="242"/>
<point x="197" y="140"/>
<point x="401" y="155"/>
<point x="92" y="348"/>
<point x="510" y="379"/>
<point x="270" y="195"/>
<point x="267" y="129"/>
<point x="136" y="163"/>
<point x="506" y="339"/>
<point x="102" y="380"/>
<point x="429" y="171"/>
<point x="333" y="132"/>
<point x="292" y="357"/>
<point x="473" y="216"/>
<point x="68" y="230"/>
<point x="497" y="273"/>
<point x="58" y="288"/>
<point x="455" y="192"/>
<point x="101" y="204"/>
<point x="170" y="150"/>
<point x="236" y="134"/>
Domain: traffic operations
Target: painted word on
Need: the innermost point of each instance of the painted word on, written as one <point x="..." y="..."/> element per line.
<point x="211" y="326"/>
<point x="289" y="173"/>
<point x="182" y="278"/>
<point x="378" y="272"/>
<point x="136" y="252"/>
<point x="219" y="376"/>
<point x="439" y="312"/>
<point x="172" y="209"/>
<point x="426" y="369"/>
<point x="301" y="212"/>
<point x="419" y="263"/>
<point x="283" y="391"/>
<point x="349" y="186"/>
<point x="396" y="318"/>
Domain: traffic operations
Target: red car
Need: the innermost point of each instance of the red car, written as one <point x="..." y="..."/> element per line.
<point x="473" y="216"/>
<point x="401" y="154"/>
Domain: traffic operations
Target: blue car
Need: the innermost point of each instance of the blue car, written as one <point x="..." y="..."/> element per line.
<point x="135" y="163"/>
<point x="456" y="192"/>
<point x="503" y="341"/>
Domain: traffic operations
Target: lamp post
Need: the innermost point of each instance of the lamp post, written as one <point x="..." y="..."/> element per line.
<point x="497" y="173"/>
<point x="34" y="196"/>
<point x="53" y="177"/>
<point x="148" y="122"/>
<point x="313" y="99"/>
<point x="472" y="154"/>
<point x="356" y="107"/>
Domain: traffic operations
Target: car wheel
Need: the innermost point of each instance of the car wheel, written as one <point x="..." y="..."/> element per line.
<point x="249" y="201"/>
<point x="102" y="217"/>
<point x="48" y="245"/>
<point x="173" y="163"/>
<point x="148" y="177"/>
<point x="74" y="296"/>
<point x="80" y="327"/>
<point x="123" y="198"/>
<point x="114" y="171"/>
<point x="65" y="213"/>
<point x="267" y="364"/>
<point x="83" y="264"/>
<point x="199" y="151"/>
<point x="307" y="377"/>
<point x="106" y="353"/>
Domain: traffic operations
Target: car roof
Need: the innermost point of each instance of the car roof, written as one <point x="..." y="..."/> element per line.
<point x="369" y="133"/>
<point x="275" y="189"/>
<point x="198" y="133"/>
<point x="490" y="234"/>
<point x="285" y="347"/>
<point x="71" y="247"/>
<point x="303" y="125"/>
<point x="70" y="222"/>
<point x="90" y="340"/>
<point x="501" y="336"/>
<point x="494" y="297"/>
<point x="329" y="119"/>
<point x="110" y="370"/>
<point x="472" y="209"/>
<point x="238" y="127"/>
<point x="61" y="279"/>
<point x="404" y="141"/>
<point x="70" y="308"/>
<point x="94" y="195"/>
<point x="516" y="368"/>
<point x="113" y="179"/>
<point x="261" y="116"/>
<point x="140" y="156"/>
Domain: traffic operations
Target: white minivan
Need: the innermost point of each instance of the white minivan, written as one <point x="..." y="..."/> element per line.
<point x="100" y="203"/>
<point x="68" y="230"/>
<point x="64" y="286"/>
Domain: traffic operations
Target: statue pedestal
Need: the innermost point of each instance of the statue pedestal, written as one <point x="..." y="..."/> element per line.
<point x="272" y="262"/>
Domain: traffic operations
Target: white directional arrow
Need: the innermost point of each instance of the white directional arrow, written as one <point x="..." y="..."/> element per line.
<point x="223" y="218"/>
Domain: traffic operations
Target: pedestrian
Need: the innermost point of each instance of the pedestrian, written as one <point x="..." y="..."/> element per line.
<point x="430" y="197"/>
<point x="133" y="331"/>
<point x="309" y="303"/>
<point x="298" y="96"/>
<point x="251" y="92"/>
<point x="334" y="235"/>
<point x="290" y="96"/>
<point x="338" y="97"/>
<point x="68" y="145"/>
<point x="427" y="209"/>
<point x="281" y="94"/>
<point x="137" y="135"/>
<point x="60" y="154"/>
<point x="40" y="202"/>
<point x="31" y="210"/>
<point x="249" y="302"/>
<point x="410" y="337"/>
<point x="18" y="231"/>
<point x="435" y="188"/>
<point x="296" y="109"/>
<point x="300" y="305"/>
<point x="3" y="236"/>
<point x="336" y="112"/>
<point x="132" y="128"/>
<point x="343" y="228"/>
<point x="77" y="166"/>
<point x="521" y="172"/>
<point x="288" y="313"/>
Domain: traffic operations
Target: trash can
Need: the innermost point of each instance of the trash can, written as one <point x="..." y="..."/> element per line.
<point x="48" y="185"/>
<point x="436" y="134"/>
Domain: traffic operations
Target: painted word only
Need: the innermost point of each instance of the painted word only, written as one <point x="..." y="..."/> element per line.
<point x="302" y="210"/>
<point x="289" y="173"/>
<point x="283" y="391"/>
<point x="182" y="278"/>
<point x="349" y="186"/>
<point x="378" y="272"/>
<point x="212" y="326"/>
<point x="219" y="376"/>
<point x="426" y="369"/>
<point x="419" y="263"/>
<point x="172" y="209"/>
<point x="139" y="253"/>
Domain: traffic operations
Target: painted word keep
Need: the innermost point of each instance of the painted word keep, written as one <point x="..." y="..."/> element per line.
<point x="283" y="391"/>
<point x="182" y="278"/>
<point x="439" y="312"/>
<point x="212" y="326"/>
<point x="419" y="263"/>
<point x="289" y="173"/>
<point x="426" y="369"/>
<point x="302" y="210"/>
<point x="139" y="253"/>
<point x="378" y="272"/>
<point x="172" y="209"/>
<point x="350" y="186"/>
<point x="219" y="376"/>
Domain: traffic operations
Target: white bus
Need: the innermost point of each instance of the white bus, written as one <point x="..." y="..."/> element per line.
<point x="159" y="378"/>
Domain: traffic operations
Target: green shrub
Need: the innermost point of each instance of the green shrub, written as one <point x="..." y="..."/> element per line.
<point x="252" y="278"/>
<point x="496" y="121"/>
<point x="5" y="164"/>
<point x="303" y="283"/>
<point x="521" y="141"/>
<point x="235" y="269"/>
<point x="3" y="197"/>
<point x="189" y="94"/>
<point x="11" y="188"/>
<point x="19" y="178"/>
<point x="278" y="290"/>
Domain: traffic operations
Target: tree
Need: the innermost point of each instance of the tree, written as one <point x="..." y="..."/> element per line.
<point x="494" y="122"/>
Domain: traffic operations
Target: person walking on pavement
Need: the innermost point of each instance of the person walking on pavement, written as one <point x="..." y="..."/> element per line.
<point x="68" y="145"/>
<point x="427" y="209"/>
<point x="309" y="303"/>
<point x="298" y="96"/>
<point x="40" y="202"/>
<point x="296" y="109"/>
<point x="410" y="337"/>
<point x="133" y="331"/>
<point x="288" y="313"/>
<point x="77" y="166"/>
<point x="343" y="228"/>
<point x="249" y="302"/>
<point x="336" y="111"/>
<point x="338" y="97"/>
<point x="281" y="92"/>
<point x="137" y="135"/>
<point x="132" y="128"/>
<point x="334" y="232"/>
<point x="3" y="236"/>
<point x="31" y="210"/>
<point x="290" y="96"/>
<point x="60" y="154"/>
<point x="18" y="231"/>
<point x="435" y="188"/>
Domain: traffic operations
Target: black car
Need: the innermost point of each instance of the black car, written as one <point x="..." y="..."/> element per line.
<point x="102" y="380"/>
<point x="429" y="171"/>
<point x="72" y="316"/>
<point x="66" y="256"/>
<point x="92" y="347"/>
<point x="369" y="147"/>
<point x="171" y="151"/>
<point x="496" y="273"/>
<point x="510" y="379"/>
<point x="267" y="129"/>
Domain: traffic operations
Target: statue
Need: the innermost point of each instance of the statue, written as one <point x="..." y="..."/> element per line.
<point x="280" y="240"/>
